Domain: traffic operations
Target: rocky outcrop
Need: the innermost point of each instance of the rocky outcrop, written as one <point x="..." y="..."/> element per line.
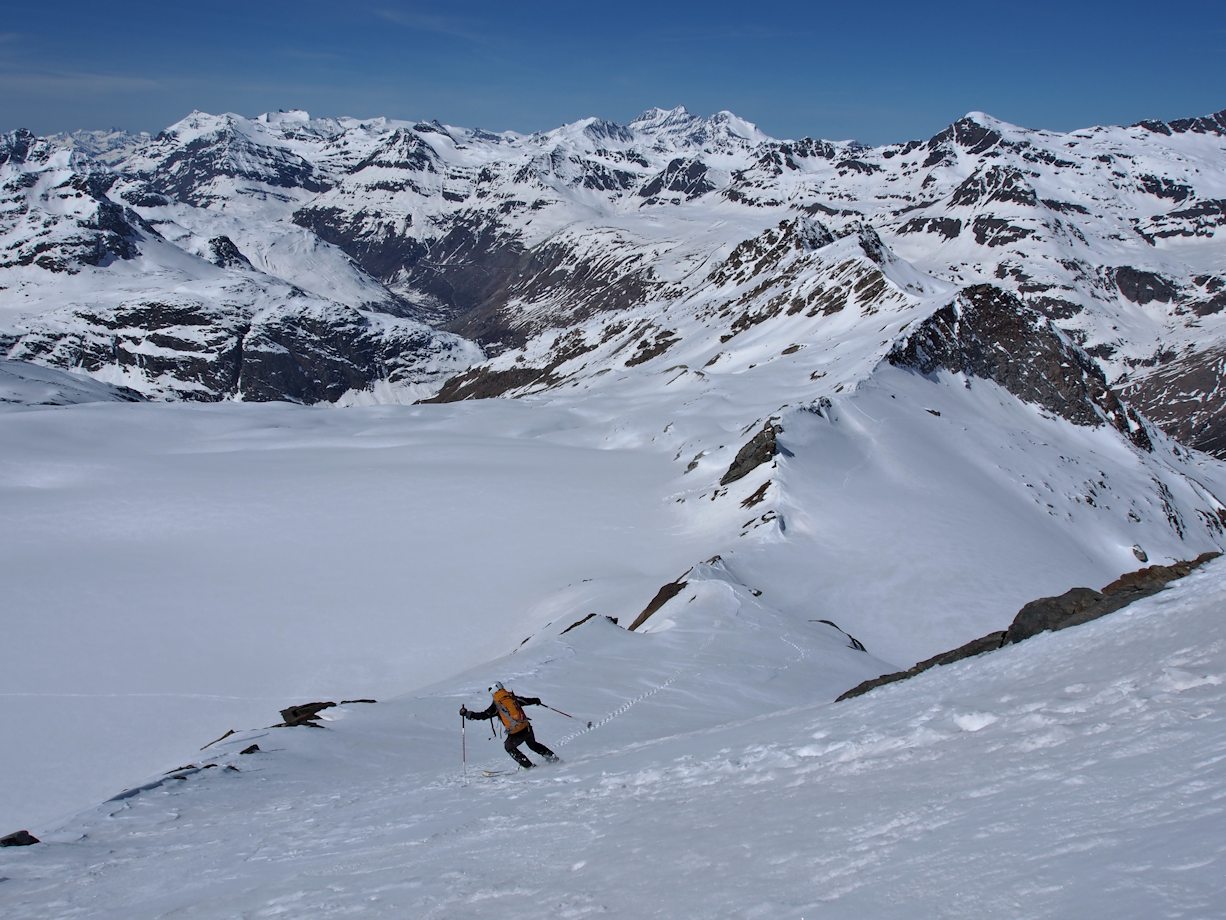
<point x="852" y="641"/>
<point x="682" y="178"/>
<point x="1052" y="613"/>
<point x="179" y="774"/>
<point x="484" y="383"/>
<point x="1207" y="124"/>
<point x="990" y="334"/>
<point x="762" y="448"/>
<point x="1142" y="287"/>
<point x="306" y="714"/>
<point x="966" y="134"/>
<point x="18" y="839"/>
<point x="1080" y="605"/>
<point x="177" y="347"/>
<point x="303" y="714"/>
<point x="319" y="354"/>
<point x="765" y="253"/>
<point x="588" y="618"/>
<point x="975" y="647"/>
<point x="1200" y="219"/>
<point x="1074" y="607"/>
<point x="995" y="185"/>
<point x="662" y="597"/>
<point x="224" y="253"/>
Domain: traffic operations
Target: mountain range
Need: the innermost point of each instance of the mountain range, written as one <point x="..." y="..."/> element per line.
<point x="317" y="259"/>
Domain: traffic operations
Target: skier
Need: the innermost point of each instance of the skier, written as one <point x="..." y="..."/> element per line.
<point x="510" y="709"/>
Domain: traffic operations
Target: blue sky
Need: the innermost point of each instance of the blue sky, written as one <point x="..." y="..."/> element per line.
<point x="875" y="71"/>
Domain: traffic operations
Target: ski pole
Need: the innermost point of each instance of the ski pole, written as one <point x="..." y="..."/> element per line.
<point x="561" y="713"/>
<point x="463" y="749"/>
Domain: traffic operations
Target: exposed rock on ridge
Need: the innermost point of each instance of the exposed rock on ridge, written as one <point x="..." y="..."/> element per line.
<point x="1074" y="607"/>
<point x="990" y="334"/>
<point x="761" y="448"/>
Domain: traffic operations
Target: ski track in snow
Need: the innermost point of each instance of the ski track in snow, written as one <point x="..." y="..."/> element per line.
<point x="647" y="694"/>
<point x="1080" y="774"/>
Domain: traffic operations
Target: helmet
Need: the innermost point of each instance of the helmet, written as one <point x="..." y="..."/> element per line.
<point x="498" y="685"/>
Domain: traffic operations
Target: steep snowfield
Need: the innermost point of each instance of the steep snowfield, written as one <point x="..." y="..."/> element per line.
<point x="1079" y="774"/>
<point x="173" y="571"/>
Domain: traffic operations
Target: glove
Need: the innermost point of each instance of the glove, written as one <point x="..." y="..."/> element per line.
<point x="463" y="710"/>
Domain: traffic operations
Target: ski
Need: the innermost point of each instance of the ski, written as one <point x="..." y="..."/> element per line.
<point x="547" y="763"/>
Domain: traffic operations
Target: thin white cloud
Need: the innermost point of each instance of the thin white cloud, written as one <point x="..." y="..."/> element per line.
<point x="60" y="83"/>
<point x="432" y="23"/>
<point x="748" y="32"/>
<point x="302" y="54"/>
<point x="24" y="69"/>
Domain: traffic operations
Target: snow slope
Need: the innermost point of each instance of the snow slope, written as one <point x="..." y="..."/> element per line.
<point x="25" y="384"/>
<point x="176" y="570"/>
<point x="1077" y="774"/>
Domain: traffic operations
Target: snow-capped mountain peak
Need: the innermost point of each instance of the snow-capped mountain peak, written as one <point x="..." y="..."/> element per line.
<point x="682" y="129"/>
<point x="657" y="117"/>
<point x="294" y="117"/>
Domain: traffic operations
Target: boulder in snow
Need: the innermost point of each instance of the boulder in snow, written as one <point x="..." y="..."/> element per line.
<point x="18" y="839"/>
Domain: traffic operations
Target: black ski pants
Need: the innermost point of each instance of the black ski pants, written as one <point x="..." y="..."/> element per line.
<point x="525" y="736"/>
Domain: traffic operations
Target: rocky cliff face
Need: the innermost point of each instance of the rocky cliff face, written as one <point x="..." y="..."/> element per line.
<point x="321" y="354"/>
<point x="192" y="349"/>
<point x="1186" y="396"/>
<point x="989" y="334"/>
